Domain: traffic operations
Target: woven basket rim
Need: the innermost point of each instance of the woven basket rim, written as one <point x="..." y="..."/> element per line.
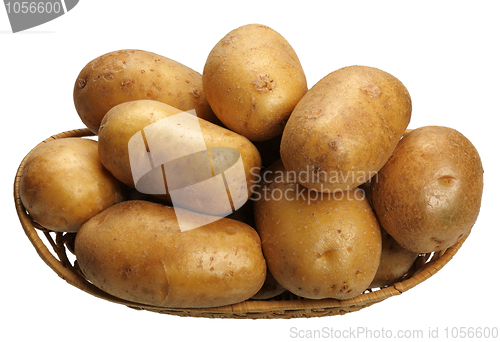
<point x="283" y="306"/>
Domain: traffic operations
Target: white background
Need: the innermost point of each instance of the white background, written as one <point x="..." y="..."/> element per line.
<point x="445" y="52"/>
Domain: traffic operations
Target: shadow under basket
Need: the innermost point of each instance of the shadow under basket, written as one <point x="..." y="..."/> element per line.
<point x="62" y="261"/>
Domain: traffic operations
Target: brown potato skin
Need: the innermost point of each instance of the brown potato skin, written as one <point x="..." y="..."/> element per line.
<point x="323" y="246"/>
<point x="128" y="75"/>
<point x="253" y="79"/>
<point x="395" y="262"/>
<point x="64" y="184"/>
<point x="136" y="251"/>
<point x="126" y="119"/>
<point x="428" y="195"/>
<point x="345" y="128"/>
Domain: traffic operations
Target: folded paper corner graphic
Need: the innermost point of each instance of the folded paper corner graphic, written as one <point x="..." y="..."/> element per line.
<point x="204" y="184"/>
<point x="24" y="15"/>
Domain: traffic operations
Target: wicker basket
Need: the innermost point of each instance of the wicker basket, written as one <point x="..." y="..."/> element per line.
<point x="287" y="305"/>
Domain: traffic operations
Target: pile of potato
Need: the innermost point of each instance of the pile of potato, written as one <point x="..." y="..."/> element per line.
<point x="337" y="195"/>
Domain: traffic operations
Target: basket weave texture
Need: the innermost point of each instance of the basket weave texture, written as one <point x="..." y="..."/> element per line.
<point x="286" y="305"/>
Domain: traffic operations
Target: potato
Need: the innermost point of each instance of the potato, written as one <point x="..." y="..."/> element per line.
<point x="253" y="79"/>
<point x="345" y="128"/>
<point x="428" y="195"/>
<point x="317" y="245"/>
<point x="63" y="184"/>
<point x="395" y="262"/>
<point x="179" y="155"/>
<point x="127" y="75"/>
<point x="135" y="251"/>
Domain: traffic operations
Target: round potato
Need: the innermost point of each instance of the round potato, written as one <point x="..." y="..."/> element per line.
<point x="136" y="251"/>
<point x="345" y="128"/>
<point x="63" y="184"/>
<point x="128" y="75"/>
<point x="395" y="262"/>
<point x="317" y="245"/>
<point x="253" y="79"/>
<point x="428" y="195"/>
<point x="161" y="150"/>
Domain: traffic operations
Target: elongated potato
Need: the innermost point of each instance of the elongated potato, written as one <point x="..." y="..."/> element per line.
<point x="345" y="128"/>
<point x="145" y="142"/>
<point x="128" y="75"/>
<point x="136" y="251"/>
<point x="253" y="79"/>
<point x="317" y="245"/>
